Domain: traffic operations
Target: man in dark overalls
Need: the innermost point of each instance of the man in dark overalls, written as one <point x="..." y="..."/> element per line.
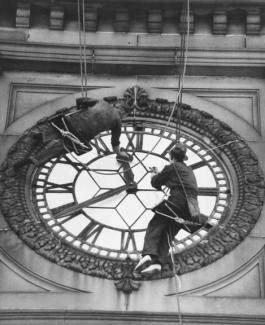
<point x="84" y="122"/>
<point x="181" y="205"/>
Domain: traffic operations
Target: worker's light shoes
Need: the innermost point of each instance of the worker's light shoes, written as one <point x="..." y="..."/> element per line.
<point x="151" y="270"/>
<point x="144" y="261"/>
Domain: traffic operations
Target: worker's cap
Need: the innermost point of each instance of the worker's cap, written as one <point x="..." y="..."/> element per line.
<point x="178" y="151"/>
<point x="85" y="102"/>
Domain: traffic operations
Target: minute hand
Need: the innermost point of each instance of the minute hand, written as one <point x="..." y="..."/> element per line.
<point x="98" y="198"/>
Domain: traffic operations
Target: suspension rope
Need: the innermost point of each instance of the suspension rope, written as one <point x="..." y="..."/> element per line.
<point x="80" y="48"/>
<point x="177" y="281"/>
<point x="84" y="46"/>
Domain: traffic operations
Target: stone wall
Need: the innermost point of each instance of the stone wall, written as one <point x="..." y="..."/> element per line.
<point x="228" y="290"/>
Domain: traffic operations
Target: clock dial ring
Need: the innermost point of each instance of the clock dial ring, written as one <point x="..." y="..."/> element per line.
<point x="236" y="221"/>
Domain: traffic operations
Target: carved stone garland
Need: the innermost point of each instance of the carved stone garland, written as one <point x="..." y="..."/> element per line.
<point x="226" y="236"/>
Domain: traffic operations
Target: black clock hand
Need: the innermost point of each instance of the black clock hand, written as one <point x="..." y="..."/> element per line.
<point x="65" y="210"/>
<point x="128" y="174"/>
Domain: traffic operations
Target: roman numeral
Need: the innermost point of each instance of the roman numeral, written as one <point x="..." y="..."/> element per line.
<point x="69" y="218"/>
<point x="67" y="161"/>
<point x="58" y="211"/>
<point x="128" y="240"/>
<point x="208" y="191"/>
<point x="136" y="137"/>
<point x="199" y="164"/>
<point x="167" y="149"/>
<point x="92" y="229"/>
<point x="51" y="187"/>
<point x="100" y="146"/>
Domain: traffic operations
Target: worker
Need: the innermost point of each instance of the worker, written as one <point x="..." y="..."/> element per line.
<point x="83" y="123"/>
<point x="179" y="211"/>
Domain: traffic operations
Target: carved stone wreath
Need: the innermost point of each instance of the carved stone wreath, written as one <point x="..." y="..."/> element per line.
<point x="230" y="232"/>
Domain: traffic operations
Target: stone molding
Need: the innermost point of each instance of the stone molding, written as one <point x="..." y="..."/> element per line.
<point x="152" y="50"/>
<point x="253" y="15"/>
<point x="24" y="274"/>
<point x="23" y="13"/>
<point x="91" y="19"/>
<point x="56" y="17"/>
<point x="213" y="289"/>
<point x="252" y="94"/>
<point x="50" y="90"/>
<point x="122" y="20"/>
<point x="154" y="21"/>
<point x="194" y="311"/>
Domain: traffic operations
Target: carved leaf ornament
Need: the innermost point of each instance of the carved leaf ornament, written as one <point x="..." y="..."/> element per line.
<point x="237" y="217"/>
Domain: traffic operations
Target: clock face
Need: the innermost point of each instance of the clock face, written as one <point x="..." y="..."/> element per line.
<point x="84" y="200"/>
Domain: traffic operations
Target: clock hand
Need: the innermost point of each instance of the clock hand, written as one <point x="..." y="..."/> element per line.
<point x="67" y="209"/>
<point x="128" y="174"/>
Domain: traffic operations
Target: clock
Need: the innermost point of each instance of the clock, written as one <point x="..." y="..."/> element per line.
<point x="89" y="212"/>
<point x="86" y="200"/>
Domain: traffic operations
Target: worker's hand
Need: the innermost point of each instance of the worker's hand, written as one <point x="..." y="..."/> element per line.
<point x="123" y="155"/>
<point x="153" y="170"/>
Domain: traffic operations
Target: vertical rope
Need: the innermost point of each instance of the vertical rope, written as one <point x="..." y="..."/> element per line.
<point x="84" y="46"/>
<point x="80" y="48"/>
<point x="183" y="63"/>
<point x="177" y="281"/>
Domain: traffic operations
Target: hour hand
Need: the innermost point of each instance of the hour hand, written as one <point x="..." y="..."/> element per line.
<point x="128" y="174"/>
<point x="67" y="209"/>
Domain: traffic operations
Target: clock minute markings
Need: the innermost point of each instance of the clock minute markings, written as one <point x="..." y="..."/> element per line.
<point x="168" y="148"/>
<point x="100" y="146"/>
<point x="51" y="187"/>
<point x="127" y="239"/>
<point x="137" y="136"/>
<point x="93" y="229"/>
<point x="208" y="191"/>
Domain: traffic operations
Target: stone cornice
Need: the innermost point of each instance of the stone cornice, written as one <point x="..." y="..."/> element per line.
<point x="128" y="35"/>
<point x="151" y="16"/>
<point x="137" y="49"/>
<point x="62" y="307"/>
<point x="60" y="317"/>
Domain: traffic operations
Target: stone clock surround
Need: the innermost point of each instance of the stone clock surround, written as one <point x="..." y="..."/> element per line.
<point x="231" y="231"/>
<point x="237" y="274"/>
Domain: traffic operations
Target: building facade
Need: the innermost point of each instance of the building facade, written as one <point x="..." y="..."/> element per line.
<point x="132" y="52"/>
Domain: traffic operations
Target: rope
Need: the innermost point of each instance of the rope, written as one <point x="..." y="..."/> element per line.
<point x="80" y="48"/>
<point x="70" y="136"/>
<point x="183" y="60"/>
<point x="177" y="281"/>
<point x="84" y="46"/>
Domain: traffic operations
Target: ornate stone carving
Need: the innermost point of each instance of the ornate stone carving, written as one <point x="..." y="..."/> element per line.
<point x="127" y="283"/>
<point x="233" y="227"/>
<point x="253" y="21"/>
<point x="219" y="21"/>
<point x="121" y="20"/>
<point x="183" y="23"/>
<point x="154" y="21"/>
<point x="23" y="14"/>
<point x="57" y="17"/>
<point x="91" y="19"/>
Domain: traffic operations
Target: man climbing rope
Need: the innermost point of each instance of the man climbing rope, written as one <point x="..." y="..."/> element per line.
<point x="179" y="211"/>
<point x="75" y="129"/>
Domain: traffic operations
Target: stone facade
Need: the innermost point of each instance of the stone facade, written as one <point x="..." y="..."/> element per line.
<point x="125" y="47"/>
